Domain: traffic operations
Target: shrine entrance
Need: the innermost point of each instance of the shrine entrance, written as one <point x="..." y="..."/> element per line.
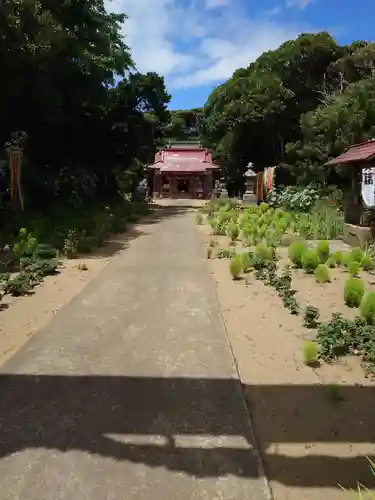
<point x="183" y="185"/>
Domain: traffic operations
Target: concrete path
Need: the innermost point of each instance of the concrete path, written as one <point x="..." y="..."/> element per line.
<point x="130" y="392"/>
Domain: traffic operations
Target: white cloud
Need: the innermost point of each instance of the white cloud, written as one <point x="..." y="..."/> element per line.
<point x="195" y="46"/>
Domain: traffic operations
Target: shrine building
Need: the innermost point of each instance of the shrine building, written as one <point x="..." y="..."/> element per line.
<point x="182" y="170"/>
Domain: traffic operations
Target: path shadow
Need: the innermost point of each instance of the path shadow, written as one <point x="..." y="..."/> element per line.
<point x="174" y="423"/>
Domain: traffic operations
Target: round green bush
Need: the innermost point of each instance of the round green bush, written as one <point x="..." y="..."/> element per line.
<point x="337" y="257"/>
<point x="322" y="250"/>
<point x="331" y="263"/>
<point x="262" y="256"/>
<point x="310" y="261"/>
<point x="367" y="308"/>
<point x="246" y="260"/>
<point x="356" y="254"/>
<point x="354" y="290"/>
<point x="295" y="252"/>
<point x="353" y="267"/>
<point x="367" y="263"/>
<point x="322" y="274"/>
<point x="235" y="266"/>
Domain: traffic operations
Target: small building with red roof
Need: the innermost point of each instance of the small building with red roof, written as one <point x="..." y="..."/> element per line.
<point x="183" y="170"/>
<point x="359" y="217"/>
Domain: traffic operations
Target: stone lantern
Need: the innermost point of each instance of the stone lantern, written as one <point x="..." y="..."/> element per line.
<point x="223" y="189"/>
<point x="250" y="179"/>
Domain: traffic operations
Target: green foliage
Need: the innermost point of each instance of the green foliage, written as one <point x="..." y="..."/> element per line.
<point x="310" y="353"/>
<point x="353" y="267"/>
<point x="323" y="251"/>
<point x="295" y="252"/>
<point x="367" y="308"/>
<point x="331" y="263"/>
<point x="235" y="266"/>
<point x="341" y="336"/>
<point x="223" y="253"/>
<point x="367" y="263"/>
<point x="311" y="317"/>
<point x="262" y="256"/>
<point x="322" y="274"/>
<point x="337" y="257"/>
<point x="353" y="292"/>
<point x="233" y="231"/>
<point x="356" y="254"/>
<point x="246" y="258"/>
<point x="310" y="261"/>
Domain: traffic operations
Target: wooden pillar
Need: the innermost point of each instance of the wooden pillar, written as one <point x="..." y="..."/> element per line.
<point x="207" y="185"/>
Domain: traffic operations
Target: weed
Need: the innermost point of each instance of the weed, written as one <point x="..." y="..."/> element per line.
<point x="311" y="317"/>
<point x="82" y="266"/>
<point x="223" y="253"/>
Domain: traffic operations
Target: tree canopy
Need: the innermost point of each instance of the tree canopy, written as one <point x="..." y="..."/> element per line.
<point x="71" y="94"/>
<point x="295" y="106"/>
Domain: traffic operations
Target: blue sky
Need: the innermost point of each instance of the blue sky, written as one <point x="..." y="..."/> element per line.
<point x="197" y="44"/>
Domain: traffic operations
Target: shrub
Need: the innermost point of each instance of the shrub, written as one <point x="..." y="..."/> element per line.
<point x="209" y="252"/>
<point x="322" y="250"/>
<point x="262" y="256"/>
<point x="234" y="231"/>
<point x="356" y="254"/>
<point x="353" y="267"/>
<point x="337" y="257"/>
<point x="264" y="207"/>
<point x="331" y="263"/>
<point x="246" y="261"/>
<point x="367" y="263"/>
<point x="367" y="308"/>
<point x="235" y="266"/>
<point x="295" y="252"/>
<point x="322" y="274"/>
<point x="311" y="317"/>
<point x="310" y="353"/>
<point x="354" y="290"/>
<point x="310" y="261"/>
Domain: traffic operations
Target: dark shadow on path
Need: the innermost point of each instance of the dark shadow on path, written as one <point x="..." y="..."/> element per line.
<point x="121" y="417"/>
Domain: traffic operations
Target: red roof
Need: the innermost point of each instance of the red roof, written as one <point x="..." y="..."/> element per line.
<point x="177" y="160"/>
<point x="357" y="153"/>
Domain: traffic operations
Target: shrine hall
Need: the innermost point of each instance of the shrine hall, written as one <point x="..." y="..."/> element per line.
<point x="182" y="170"/>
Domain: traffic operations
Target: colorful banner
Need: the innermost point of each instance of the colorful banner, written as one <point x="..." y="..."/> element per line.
<point x="15" y="160"/>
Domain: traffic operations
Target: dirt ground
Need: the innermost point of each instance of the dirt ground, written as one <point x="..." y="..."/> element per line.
<point x="21" y="317"/>
<point x="309" y="441"/>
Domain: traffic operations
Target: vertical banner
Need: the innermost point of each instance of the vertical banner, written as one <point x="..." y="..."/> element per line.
<point x="15" y="161"/>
